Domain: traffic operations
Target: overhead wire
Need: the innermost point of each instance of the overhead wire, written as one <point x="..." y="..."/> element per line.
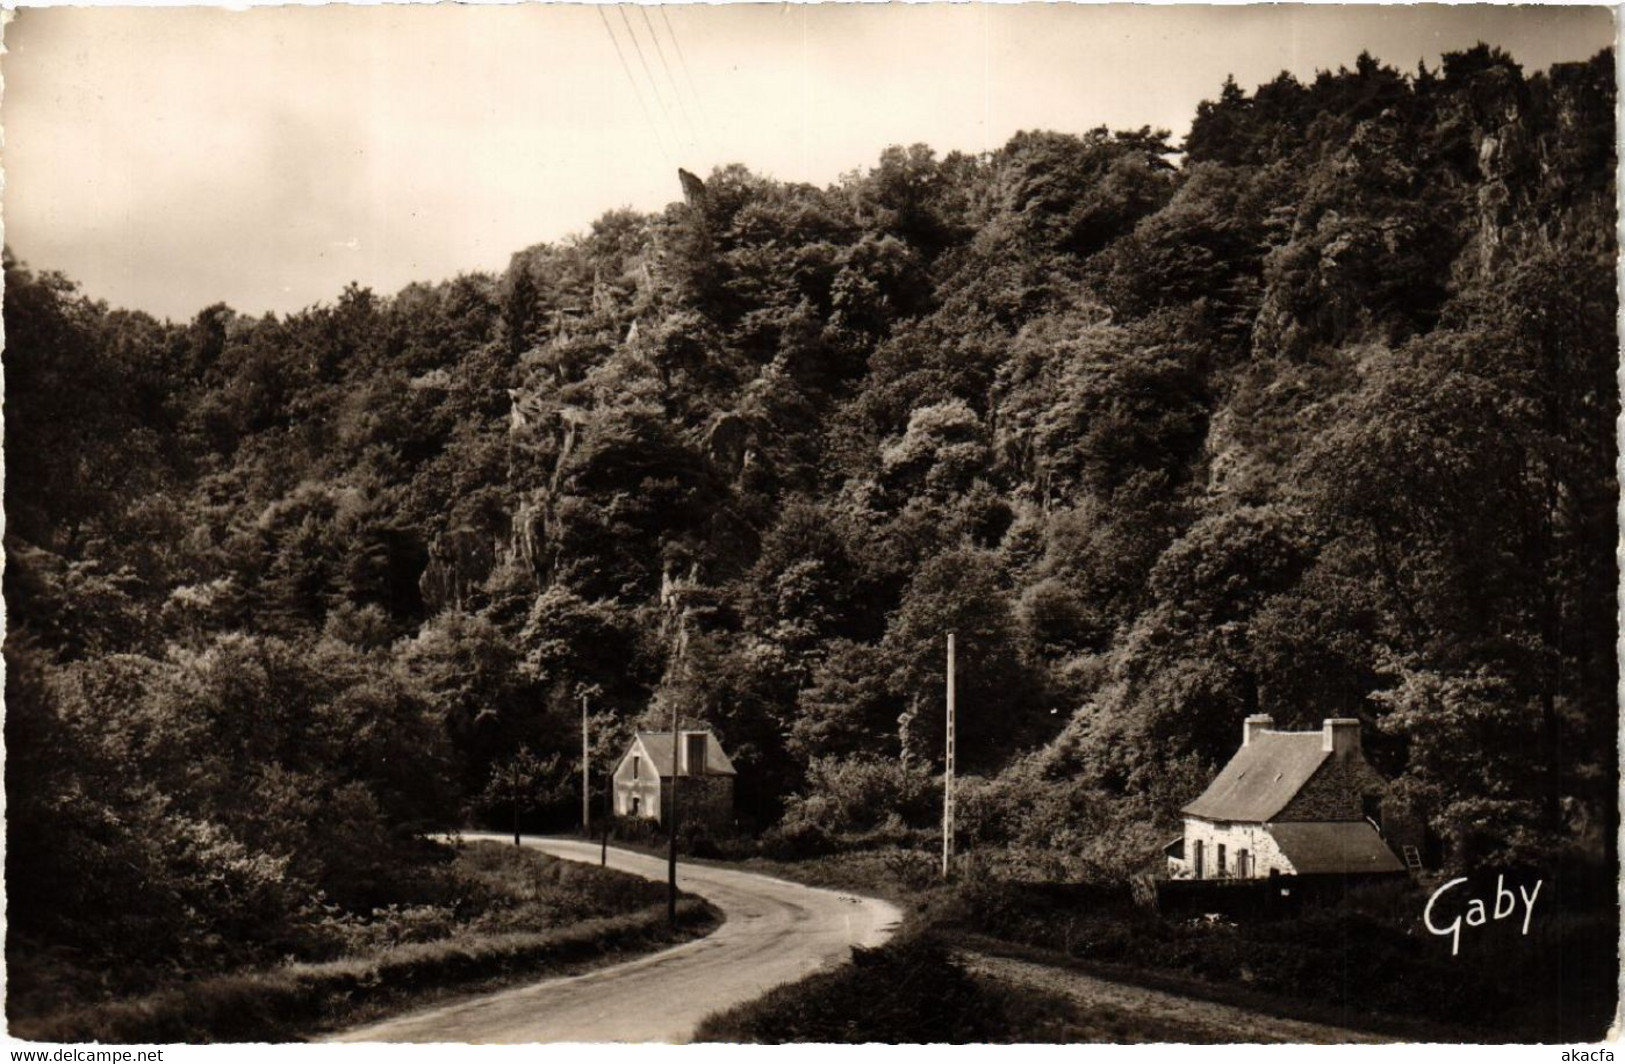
<point x="637" y="92"/>
<point x="682" y="63"/>
<point x="677" y="93"/>
<point x="660" y="97"/>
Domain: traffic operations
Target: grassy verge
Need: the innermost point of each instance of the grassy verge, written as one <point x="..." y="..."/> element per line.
<point x="1330" y="1014"/>
<point x="532" y="922"/>
<point x="908" y="878"/>
<point x="911" y="991"/>
<point x="1364" y="963"/>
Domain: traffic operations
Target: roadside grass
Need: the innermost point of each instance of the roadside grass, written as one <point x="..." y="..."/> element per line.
<point x="1330" y="1014"/>
<point x="908" y="878"/>
<point x="530" y="915"/>
<point x="1363" y="963"/>
<point x="912" y="991"/>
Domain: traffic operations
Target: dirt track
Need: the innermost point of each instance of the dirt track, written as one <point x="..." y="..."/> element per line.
<point x="775" y="932"/>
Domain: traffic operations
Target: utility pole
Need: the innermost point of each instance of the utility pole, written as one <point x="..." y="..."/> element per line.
<point x="513" y="785"/>
<point x="609" y="798"/>
<point x="586" y="786"/>
<point x="671" y="852"/>
<point x="671" y="843"/>
<point x="948" y="771"/>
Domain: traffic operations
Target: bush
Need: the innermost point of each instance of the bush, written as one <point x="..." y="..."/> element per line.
<point x="858" y="794"/>
<point x="1365" y="953"/>
<point x="1048" y="827"/>
<point x="695" y="838"/>
<point x="277" y="1005"/>
<point x="473" y="893"/>
<point x="1078" y="918"/>
<point x="798" y="839"/>
<point x="908" y="991"/>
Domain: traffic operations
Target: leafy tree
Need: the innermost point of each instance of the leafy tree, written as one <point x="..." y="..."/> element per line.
<point x="1319" y="422"/>
<point x="961" y="592"/>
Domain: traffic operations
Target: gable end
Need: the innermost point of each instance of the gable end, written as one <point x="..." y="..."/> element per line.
<point x="1335" y="791"/>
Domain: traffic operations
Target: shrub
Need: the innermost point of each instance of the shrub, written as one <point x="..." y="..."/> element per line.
<point x="1364" y="953"/>
<point x="908" y="991"/>
<point x="857" y="794"/>
<point x="275" y="1005"/>
<point x="470" y="893"/>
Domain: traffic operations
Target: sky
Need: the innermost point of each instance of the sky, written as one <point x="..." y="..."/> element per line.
<point x="171" y="158"/>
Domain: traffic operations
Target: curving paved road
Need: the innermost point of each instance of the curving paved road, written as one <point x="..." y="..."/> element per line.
<point x="776" y="932"/>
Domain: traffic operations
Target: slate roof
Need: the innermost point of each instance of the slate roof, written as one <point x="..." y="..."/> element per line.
<point x="657" y="747"/>
<point x="1262" y="778"/>
<point x="1334" y="846"/>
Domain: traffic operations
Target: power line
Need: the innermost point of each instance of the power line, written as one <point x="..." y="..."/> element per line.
<point x="660" y="97"/>
<point x="677" y="93"/>
<point x="627" y="70"/>
<point x="682" y="62"/>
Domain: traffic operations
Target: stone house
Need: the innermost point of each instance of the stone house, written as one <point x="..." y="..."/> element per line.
<point x="1293" y="803"/>
<point x="643" y="779"/>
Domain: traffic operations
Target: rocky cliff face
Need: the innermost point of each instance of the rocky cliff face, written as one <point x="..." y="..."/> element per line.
<point x="460" y="559"/>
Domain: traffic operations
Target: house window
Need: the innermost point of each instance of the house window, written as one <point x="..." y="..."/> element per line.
<point x="1198" y="861"/>
<point x="1221" y="859"/>
<point x="1371" y="809"/>
<point x="636" y="762"/>
<point x="1242" y="869"/>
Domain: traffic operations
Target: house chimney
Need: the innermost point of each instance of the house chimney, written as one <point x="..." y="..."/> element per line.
<point x="1253" y="725"/>
<point x="1340" y="736"/>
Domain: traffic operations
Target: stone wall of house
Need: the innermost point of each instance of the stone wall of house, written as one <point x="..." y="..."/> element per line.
<point x="1235" y="837"/>
<point x="1336" y="791"/>
<point x="707" y="800"/>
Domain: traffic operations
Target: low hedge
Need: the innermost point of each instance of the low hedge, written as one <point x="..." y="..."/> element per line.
<point x="287" y="1002"/>
<point x="910" y="990"/>
<point x="1367" y="955"/>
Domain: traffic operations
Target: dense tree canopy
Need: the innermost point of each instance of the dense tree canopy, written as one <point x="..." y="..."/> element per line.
<point x="1312" y="415"/>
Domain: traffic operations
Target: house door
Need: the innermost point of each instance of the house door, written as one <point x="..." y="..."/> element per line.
<point x="635" y="804"/>
<point x="1200" y="870"/>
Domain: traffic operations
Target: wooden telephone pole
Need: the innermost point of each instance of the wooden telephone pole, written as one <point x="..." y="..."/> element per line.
<point x="671" y="839"/>
<point x="513" y="788"/>
<point x="671" y="836"/>
<point x="586" y="785"/>
<point x="948" y="771"/>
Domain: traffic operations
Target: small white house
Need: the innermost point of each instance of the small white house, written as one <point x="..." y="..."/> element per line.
<point x="643" y="778"/>
<point x="1293" y="803"/>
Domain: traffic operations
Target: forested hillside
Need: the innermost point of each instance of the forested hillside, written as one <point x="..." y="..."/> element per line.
<point x="1311" y="415"/>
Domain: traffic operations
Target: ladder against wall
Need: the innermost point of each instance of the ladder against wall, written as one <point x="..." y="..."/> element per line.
<point x="1413" y="859"/>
